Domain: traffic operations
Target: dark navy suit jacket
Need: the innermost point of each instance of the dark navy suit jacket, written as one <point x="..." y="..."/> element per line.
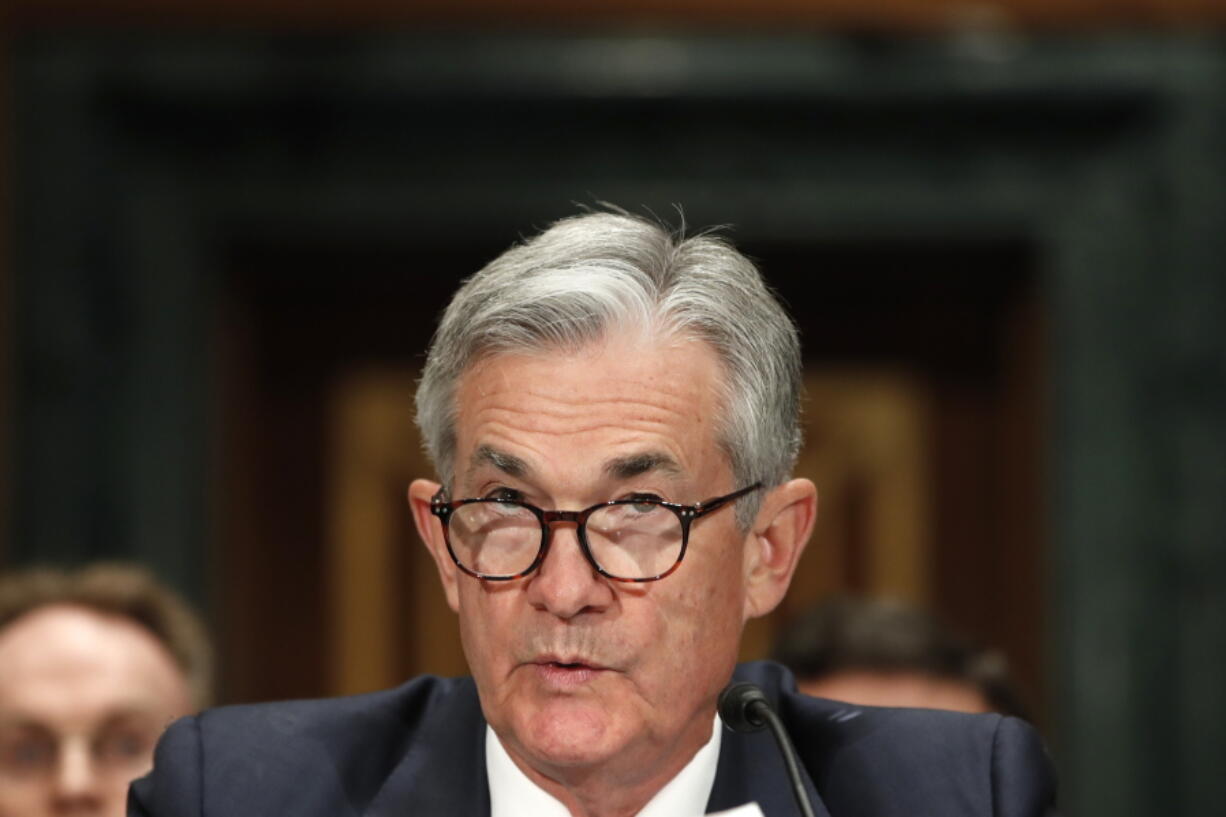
<point x="420" y="750"/>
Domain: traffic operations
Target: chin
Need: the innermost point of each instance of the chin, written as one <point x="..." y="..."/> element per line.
<point x="572" y="733"/>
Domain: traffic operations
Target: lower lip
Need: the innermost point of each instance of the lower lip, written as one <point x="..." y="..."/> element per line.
<point x="566" y="677"/>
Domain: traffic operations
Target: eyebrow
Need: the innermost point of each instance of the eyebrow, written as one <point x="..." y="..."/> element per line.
<point x="122" y="714"/>
<point x="134" y="713"/>
<point x="19" y="723"/>
<point x="620" y="468"/>
<point x="634" y="465"/>
<point x="507" y="463"/>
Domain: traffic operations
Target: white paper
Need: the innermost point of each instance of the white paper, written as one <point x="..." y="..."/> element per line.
<point x="747" y="810"/>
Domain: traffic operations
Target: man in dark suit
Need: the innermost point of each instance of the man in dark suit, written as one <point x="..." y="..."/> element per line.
<point x="612" y="411"/>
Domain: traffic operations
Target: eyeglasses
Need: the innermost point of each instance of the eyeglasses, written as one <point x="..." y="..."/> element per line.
<point x="627" y="540"/>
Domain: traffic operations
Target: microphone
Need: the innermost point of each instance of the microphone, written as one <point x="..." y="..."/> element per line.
<point x="743" y="708"/>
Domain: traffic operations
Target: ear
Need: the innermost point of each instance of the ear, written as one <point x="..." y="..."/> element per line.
<point x="430" y="528"/>
<point x="774" y="545"/>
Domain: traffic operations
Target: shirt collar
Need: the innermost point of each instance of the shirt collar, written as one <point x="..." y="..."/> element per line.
<point x="513" y="794"/>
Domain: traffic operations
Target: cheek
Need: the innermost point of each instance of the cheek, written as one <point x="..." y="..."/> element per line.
<point x="22" y="799"/>
<point x="118" y="795"/>
<point x="485" y="627"/>
<point x="699" y="629"/>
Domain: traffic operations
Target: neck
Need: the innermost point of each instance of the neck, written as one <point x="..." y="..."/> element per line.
<point x="613" y="788"/>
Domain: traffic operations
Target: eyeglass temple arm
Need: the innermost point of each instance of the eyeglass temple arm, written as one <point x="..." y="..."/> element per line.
<point x="720" y="501"/>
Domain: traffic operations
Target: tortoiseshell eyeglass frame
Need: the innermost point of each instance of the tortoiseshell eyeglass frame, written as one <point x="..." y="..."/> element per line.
<point x="686" y="514"/>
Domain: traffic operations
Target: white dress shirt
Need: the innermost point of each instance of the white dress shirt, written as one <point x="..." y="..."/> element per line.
<point x="513" y="794"/>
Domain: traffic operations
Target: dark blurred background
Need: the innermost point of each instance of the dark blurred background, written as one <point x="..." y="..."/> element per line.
<point x="229" y="227"/>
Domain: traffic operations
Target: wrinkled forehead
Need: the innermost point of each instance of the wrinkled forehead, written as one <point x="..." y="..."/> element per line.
<point x="630" y="349"/>
<point x="633" y="392"/>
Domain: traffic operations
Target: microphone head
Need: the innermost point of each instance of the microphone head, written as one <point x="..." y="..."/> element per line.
<point x="739" y="706"/>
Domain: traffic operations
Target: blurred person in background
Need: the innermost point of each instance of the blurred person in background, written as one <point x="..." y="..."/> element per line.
<point x="884" y="653"/>
<point x="94" y="664"/>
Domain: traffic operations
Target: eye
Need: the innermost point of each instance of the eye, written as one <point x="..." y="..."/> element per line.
<point x="644" y="503"/>
<point x="123" y="746"/>
<point x="505" y="494"/>
<point x="27" y="753"/>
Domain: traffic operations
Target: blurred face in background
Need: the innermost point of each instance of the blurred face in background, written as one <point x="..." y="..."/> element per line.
<point x="869" y="687"/>
<point x="84" y="697"/>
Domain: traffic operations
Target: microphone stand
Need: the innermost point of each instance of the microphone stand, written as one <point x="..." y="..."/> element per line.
<point x="743" y="708"/>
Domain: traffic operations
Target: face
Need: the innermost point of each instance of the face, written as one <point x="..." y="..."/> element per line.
<point x="911" y="689"/>
<point x="83" y="699"/>
<point x="575" y="670"/>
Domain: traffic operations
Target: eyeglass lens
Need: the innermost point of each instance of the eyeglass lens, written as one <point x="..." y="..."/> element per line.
<point x="628" y="540"/>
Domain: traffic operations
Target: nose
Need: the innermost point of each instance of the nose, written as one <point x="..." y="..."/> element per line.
<point x="78" y="785"/>
<point x="566" y="584"/>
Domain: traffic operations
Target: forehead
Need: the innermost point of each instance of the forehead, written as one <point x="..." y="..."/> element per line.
<point x="624" y="395"/>
<point x="63" y="661"/>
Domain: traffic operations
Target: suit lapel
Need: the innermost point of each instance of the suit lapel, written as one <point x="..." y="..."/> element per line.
<point x="752" y="770"/>
<point x="443" y="769"/>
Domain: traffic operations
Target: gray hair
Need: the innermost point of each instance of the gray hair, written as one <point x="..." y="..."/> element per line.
<point x="590" y="274"/>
